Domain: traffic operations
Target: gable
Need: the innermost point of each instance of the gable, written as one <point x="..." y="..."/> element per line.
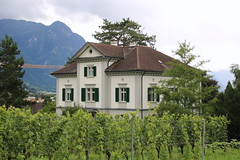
<point x="87" y="51"/>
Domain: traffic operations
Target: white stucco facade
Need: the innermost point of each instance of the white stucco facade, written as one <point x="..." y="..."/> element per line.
<point x="93" y="88"/>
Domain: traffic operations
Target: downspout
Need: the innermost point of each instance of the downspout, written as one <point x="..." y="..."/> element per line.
<point x="142" y="94"/>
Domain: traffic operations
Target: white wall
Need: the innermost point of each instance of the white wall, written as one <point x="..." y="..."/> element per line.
<point x="123" y="81"/>
<point x="99" y="81"/>
<point x="63" y="82"/>
<point x="149" y="81"/>
<point x="137" y="83"/>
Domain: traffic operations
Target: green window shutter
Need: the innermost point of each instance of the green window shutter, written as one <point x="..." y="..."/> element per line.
<point x="127" y="94"/>
<point x="83" y="94"/>
<point x="85" y="71"/>
<point x="63" y="94"/>
<point x="158" y="97"/>
<point x="96" y="94"/>
<point x="149" y="94"/>
<point x="117" y="94"/>
<point x="72" y="94"/>
<point x="94" y="71"/>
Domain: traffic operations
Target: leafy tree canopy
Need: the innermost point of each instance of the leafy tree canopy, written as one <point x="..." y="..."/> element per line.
<point x="12" y="92"/>
<point x="123" y="33"/>
<point x="184" y="83"/>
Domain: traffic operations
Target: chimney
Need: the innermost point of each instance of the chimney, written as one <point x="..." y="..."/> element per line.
<point x="133" y="44"/>
<point x="114" y="43"/>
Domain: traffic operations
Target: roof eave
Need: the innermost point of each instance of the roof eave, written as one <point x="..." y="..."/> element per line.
<point x="57" y="74"/>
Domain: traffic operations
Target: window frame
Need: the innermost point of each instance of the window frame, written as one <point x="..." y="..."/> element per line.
<point x="90" y="71"/>
<point x="152" y="95"/>
<point x="68" y="94"/>
<point x="90" y="94"/>
<point x="122" y="94"/>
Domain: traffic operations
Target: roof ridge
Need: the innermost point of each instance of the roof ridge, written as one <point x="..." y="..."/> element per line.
<point x="95" y="43"/>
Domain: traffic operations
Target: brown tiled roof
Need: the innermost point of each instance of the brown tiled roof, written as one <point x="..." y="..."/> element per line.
<point x="109" y="50"/>
<point x="69" y="69"/>
<point x="141" y="58"/>
<point x="138" y="58"/>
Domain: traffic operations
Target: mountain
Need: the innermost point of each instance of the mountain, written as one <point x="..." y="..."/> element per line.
<point x="223" y="76"/>
<point x="43" y="45"/>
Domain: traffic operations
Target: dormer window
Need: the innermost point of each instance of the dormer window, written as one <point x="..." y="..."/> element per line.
<point x="90" y="71"/>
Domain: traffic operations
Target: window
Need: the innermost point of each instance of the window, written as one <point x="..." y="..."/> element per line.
<point x="152" y="95"/>
<point x="90" y="71"/>
<point x="90" y="94"/>
<point x="67" y="94"/>
<point x="122" y="94"/>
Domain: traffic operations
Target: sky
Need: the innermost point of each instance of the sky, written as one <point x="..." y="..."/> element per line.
<point x="211" y="26"/>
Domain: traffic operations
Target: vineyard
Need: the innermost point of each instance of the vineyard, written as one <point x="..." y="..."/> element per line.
<point x="82" y="136"/>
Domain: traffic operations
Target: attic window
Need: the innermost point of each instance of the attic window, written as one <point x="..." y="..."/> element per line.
<point x="90" y="51"/>
<point x="160" y="61"/>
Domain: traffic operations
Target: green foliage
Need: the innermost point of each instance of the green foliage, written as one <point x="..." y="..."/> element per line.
<point x="184" y="87"/>
<point x="69" y="61"/>
<point x="12" y="93"/>
<point x="70" y="110"/>
<point x="49" y="107"/>
<point x="124" y="33"/>
<point x="81" y="136"/>
<point x="236" y="71"/>
<point x="216" y="129"/>
<point x="229" y="104"/>
<point x="234" y="144"/>
<point x="220" y="154"/>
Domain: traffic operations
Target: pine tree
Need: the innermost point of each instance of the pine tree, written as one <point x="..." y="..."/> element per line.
<point x="123" y="33"/>
<point x="12" y="93"/>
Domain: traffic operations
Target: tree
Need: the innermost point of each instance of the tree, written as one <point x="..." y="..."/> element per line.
<point x="12" y="92"/>
<point x="184" y="89"/>
<point x="229" y="104"/>
<point x="234" y="68"/>
<point x="123" y="33"/>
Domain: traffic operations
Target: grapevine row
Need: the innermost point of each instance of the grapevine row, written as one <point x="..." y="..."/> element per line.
<point x="24" y="135"/>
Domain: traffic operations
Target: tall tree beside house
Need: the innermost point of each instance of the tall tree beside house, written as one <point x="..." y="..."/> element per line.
<point x="229" y="104"/>
<point x="12" y="92"/>
<point x="184" y="91"/>
<point x="124" y="33"/>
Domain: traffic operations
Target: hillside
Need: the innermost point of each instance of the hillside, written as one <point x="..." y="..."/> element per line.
<point x="40" y="44"/>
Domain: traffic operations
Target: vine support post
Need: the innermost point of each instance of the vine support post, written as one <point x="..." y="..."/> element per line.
<point x="132" y="139"/>
<point x="203" y="139"/>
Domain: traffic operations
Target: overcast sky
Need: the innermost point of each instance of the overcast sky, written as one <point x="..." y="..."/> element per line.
<point x="212" y="26"/>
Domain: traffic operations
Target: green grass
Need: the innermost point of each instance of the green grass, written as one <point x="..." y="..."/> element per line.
<point x="219" y="154"/>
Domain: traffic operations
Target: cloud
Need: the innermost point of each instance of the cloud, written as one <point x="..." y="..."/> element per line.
<point x="23" y="9"/>
<point x="212" y="26"/>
